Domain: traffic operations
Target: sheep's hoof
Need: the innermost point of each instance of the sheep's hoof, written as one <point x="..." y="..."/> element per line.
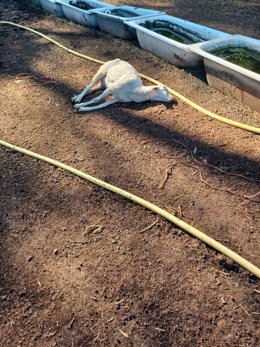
<point x="77" y="106"/>
<point x="75" y="98"/>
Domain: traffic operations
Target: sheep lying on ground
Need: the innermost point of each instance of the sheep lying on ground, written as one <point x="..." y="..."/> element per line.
<point x="122" y="82"/>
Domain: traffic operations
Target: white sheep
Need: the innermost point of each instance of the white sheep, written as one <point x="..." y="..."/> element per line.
<point x="122" y="82"/>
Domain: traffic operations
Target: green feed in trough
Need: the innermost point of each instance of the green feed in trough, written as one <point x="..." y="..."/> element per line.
<point x="241" y="56"/>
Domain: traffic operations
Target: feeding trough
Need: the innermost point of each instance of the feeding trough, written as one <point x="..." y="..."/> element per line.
<point x="232" y="66"/>
<point x="53" y="7"/>
<point x="170" y="38"/>
<point x="80" y="11"/>
<point x="115" y="20"/>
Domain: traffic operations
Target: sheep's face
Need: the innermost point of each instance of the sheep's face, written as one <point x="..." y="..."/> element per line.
<point x="161" y="93"/>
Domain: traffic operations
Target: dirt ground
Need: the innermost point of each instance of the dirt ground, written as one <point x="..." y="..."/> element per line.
<point x="79" y="266"/>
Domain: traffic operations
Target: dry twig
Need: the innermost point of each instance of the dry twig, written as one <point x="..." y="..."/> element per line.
<point x="163" y="330"/>
<point x="244" y="310"/>
<point x="150" y="226"/>
<point x="168" y="172"/>
<point x="123" y="333"/>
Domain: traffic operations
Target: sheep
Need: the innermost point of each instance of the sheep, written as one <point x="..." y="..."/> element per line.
<point x="122" y="82"/>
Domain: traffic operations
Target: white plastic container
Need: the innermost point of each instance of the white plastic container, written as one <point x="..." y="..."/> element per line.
<point x="78" y="15"/>
<point x="174" y="52"/>
<point x="53" y="7"/>
<point x="115" y="20"/>
<point x="229" y="78"/>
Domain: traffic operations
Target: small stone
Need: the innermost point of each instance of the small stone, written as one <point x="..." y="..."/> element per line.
<point x="30" y="258"/>
<point x="55" y="251"/>
<point x="223" y="301"/>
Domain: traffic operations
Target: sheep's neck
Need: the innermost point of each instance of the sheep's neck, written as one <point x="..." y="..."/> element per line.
<point x="144" y="93"/>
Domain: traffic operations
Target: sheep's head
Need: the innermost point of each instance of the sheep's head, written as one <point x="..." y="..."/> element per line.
<point x="161" y="93"/>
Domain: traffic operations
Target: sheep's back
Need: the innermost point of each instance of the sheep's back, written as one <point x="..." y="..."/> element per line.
<point x="123" y="80"/>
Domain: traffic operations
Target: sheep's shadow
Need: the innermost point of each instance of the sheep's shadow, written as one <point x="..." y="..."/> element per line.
<point x="148" y="104"/>
<point x="134" y="106"/>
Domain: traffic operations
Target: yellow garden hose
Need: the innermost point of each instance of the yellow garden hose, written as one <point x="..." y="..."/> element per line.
<point x="183" y="225"/>
<point x="193" y="231"/>
<point x="204" y="111"/>
<point x="173" y="92"/>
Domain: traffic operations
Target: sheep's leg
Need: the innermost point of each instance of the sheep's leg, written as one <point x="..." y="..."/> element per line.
<point x="99" y="87"/>
<point x="93" y="101"/>
<point x="96" y="79"/>
<point x="99" y="77"/>
<point x="107" y="103"/>
<point x="78" y="98"/>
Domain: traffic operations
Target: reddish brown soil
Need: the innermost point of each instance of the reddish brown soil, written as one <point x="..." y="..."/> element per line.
<point x="65" y="282"/>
